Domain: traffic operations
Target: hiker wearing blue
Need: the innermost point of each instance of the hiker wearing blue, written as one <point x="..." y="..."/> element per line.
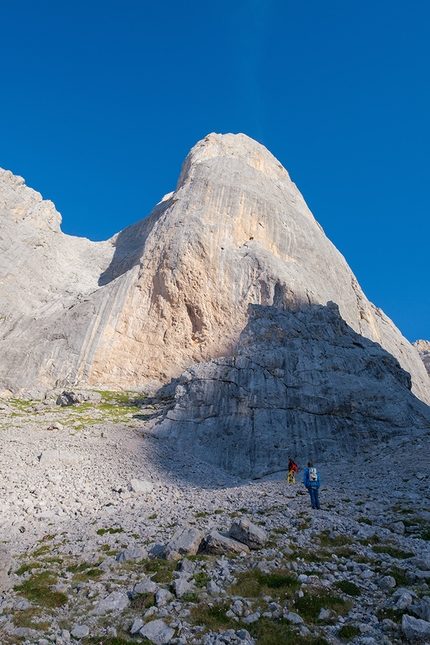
<point x="312" y="481"/>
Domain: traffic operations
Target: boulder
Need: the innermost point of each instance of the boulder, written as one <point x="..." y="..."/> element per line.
<point x="115" y="601"/>
<point x="157" y="632"/>
<point x="415" y="628"/>
<point x="248" y="533"/>
<point x="185" y="541"/>
<point x="132" y="553"/>
<point x="220" y="544"/>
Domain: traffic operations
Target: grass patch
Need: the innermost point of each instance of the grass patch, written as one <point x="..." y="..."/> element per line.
<point x="280" y="632"/>
<point x="110" y="531"/>
<point x="310" y="605"/>
<point x="162" y="569"/>
<point x="214" y="618"/>
<point x="399" y="576"/>
<point x="28" y="567"/>
<point x="392" y="551"/>
<point x="348" y="587"/>
<point x="201" y="514"/>
<point x="393" y="614"/>
<point x="254" y="584"/>
<point x="37" y="589"/>
<point x="142" y="602"/>
<point x="201" y="579"/>
<point x="28" y="619"/>
<point x="348" y="632"/>
<point x="42" y="550"/>
<point x="364" y="520"/>
<point x="335" y="541"/>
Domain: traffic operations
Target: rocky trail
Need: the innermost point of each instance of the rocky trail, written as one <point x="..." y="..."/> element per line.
<point x="109" y="535"/>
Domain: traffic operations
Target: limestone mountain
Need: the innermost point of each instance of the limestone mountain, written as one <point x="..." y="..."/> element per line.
<point x="172" y="290"/>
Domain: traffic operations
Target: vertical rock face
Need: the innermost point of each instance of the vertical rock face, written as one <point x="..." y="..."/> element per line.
<point x="173" y="289"/>
<point x="301" y="383"/>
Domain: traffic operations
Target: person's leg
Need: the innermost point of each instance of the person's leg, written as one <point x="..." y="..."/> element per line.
<point x="312" y="496"/>
<point x="316" y="498"/>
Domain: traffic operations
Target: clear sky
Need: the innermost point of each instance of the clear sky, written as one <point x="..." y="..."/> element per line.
<point x="101" y="100"/>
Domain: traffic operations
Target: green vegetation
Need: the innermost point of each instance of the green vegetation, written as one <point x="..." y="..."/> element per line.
<point x="393" y="551"/>
<point x="28" y="618"/>
<point x="348" y="587"/>
<point x="111" y="531"/>
<point x="37" y="589"/>
<point x="348" y="632"/>
<point x="365" y="520"/>
<point x="213" y="618"/>
<point x="310" y="605"/>
<point x="254" y="584"/>
<point x="280" y="632"/>
<point x="335" y="541"/>
<point x="162" y="569"/>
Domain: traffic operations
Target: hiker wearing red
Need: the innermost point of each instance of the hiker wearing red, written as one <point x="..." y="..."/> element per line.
<point x="292" y="469"/>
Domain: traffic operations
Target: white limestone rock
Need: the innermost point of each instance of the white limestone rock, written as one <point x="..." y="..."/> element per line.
<point x="173" y="289"/>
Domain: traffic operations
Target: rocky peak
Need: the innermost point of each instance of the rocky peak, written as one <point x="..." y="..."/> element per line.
<point x="174" y="289"/>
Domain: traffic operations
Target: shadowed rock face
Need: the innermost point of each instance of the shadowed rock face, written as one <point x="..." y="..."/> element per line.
<point x="173" y="289"/>
<point x="300" y="383"/>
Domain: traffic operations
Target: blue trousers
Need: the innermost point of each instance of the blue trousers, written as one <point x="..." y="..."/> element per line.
<point x="313" y="492"/>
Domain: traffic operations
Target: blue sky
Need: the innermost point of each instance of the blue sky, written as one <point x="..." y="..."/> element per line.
<point x="100" y="102"/>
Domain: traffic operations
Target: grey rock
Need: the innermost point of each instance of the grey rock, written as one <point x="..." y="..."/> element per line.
<point x="213" y="589"/>
<point x="5" y="563"/>
<point x="70" y="397"/>
<point x="387" y="582"/>
<point x="245" y="531"/>
<point x="163" y="597"/>
<point x="324" y="614"/>
<point x="182" y="587"/>
<point x="415" y="628"/>
<point x="80" y="631"/>
<point x="220" y="544"/>
<point x="398" y="527"/>
<point x="252" y="618"/>
<point x="115" y="601"/>
<point x="294" y="618"/>
<point x="136" y="626"/>
<point x="185" y="541"/>
<point x="157" y="632"/>
<point x="144" y="587"/>
<point x="422" y="609"/>
<point x="366" y="394"/>
<point x="131" y="553"/>
<point x="403" y="601"/>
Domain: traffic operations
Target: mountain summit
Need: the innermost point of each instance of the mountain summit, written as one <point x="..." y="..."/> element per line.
<point x="174" y="289"/>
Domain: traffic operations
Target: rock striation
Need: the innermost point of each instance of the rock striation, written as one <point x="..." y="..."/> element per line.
<point x="301" y="382"/>
<point x="172" y="290"/>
